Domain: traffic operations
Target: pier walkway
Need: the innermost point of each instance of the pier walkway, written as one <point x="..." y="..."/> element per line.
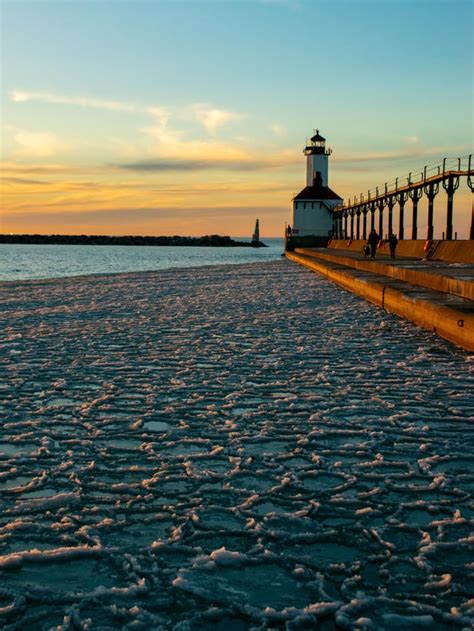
<point x="437" y="295"/>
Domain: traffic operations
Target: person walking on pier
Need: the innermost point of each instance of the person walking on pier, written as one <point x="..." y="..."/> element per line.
<point x="373" y="241"/>
<point x="392" y="244"/>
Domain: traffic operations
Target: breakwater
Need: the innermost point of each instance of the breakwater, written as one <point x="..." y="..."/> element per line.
<point x="213" y="240"/>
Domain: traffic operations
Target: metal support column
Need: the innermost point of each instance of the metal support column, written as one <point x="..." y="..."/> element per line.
<point x="358" y="224"/>
<point x="380" y="206"/>
<point x="345" y="224"/>
<point x="415" y="196"/>
<point x="390" y="205"/>
<point x="431" y="190"/>
<point x="364" y="221"/>
<point x="372" y="216"/>
<point x="352" y="224"/>
<point x="470" y="183"/>
<point x="450" y="186"/>
<point x="401" y="198"/>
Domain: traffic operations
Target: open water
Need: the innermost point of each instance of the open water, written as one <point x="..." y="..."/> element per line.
<point x="24" y="262"/>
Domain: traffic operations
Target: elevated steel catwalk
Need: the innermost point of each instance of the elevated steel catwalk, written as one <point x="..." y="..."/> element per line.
<point x="396" y="193"/>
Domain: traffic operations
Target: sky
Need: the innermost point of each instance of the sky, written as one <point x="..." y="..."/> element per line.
<point x="190" y="116"/>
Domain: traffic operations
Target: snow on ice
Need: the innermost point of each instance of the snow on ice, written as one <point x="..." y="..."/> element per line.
<point x="238" y="447"/>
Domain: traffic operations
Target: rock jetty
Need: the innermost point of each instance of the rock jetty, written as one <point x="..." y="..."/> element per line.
<point x="213" y="240"/>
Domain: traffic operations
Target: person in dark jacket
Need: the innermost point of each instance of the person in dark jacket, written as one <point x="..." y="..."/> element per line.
<point x="373" y="241"/>
<point x="392" y="244"/>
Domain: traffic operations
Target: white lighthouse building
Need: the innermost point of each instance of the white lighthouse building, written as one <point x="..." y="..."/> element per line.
<point x="312" y="206"/>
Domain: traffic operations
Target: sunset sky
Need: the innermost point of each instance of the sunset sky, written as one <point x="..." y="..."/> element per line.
<point x="189" y="117"/>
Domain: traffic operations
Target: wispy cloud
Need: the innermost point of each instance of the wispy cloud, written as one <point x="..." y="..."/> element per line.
<point x="212" y="118"/>
<point x="277" y="129"/>
<point x="161" y="114"/>
<point x="171" y="149"/>
<point x="177" y="164"/>
<point x="39" y="169"/>
<point x="158" y="112"/>
<point x="39" y="144"/>
<point x="130" y="213"/>
<point x="22" y="96"/>
<point x="213" y="157"/>
<point x="21" y="181"/>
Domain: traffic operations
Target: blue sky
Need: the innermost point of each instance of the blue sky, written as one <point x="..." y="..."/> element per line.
<point x="97" y="89"/>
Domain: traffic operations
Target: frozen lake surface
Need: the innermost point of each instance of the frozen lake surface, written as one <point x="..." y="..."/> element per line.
<point x="233" y="447"/>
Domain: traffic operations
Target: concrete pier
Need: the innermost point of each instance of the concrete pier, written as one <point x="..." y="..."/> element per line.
<point x="437" y="295"/>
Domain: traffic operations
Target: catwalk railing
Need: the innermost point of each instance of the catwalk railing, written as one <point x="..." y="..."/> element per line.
<point x="448" y="173"/>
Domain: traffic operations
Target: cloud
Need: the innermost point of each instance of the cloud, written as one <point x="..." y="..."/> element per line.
<point x="215" y="157"/>
<point x="66" y="192"/>
<point x="212" y="118"/>
<point x="21" y="96"/>
<point x="160" y="113"/>
<point x="171" y="149"/>
<point x="130" y="213"/>
<point x="39" y="144"/>
<point x="24" y="96"/>
<point x="41" y="169"/>
<point x="177" y="164"/>
<point x="21" y="181"/>
<point x="165" y="138"/>
<point x="277" y="129"/>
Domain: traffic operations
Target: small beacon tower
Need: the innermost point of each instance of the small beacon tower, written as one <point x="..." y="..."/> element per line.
<point x="256" y="233"/>
<point x="312" y="207"/>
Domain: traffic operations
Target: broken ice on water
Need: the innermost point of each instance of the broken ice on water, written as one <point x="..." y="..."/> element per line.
<point x="232" y="447"/>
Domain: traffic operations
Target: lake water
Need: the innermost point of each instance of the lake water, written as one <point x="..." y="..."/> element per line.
<point x="24" y="262"/>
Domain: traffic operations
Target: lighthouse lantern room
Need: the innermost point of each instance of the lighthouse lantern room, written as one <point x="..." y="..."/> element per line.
<point x="316" y="158"/>
<point x="312" y="216"/>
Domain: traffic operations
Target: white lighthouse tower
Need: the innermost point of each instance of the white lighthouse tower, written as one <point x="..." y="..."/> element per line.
<point x="312" y="206"/>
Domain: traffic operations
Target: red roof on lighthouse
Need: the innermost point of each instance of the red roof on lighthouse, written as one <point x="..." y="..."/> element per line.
<point x="316" y="193"/>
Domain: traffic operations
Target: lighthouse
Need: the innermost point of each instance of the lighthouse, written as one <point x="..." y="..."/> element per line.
<point x="312" y="206"/>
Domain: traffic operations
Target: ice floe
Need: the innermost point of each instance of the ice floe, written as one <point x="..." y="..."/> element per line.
<point x="234" y="447"/>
